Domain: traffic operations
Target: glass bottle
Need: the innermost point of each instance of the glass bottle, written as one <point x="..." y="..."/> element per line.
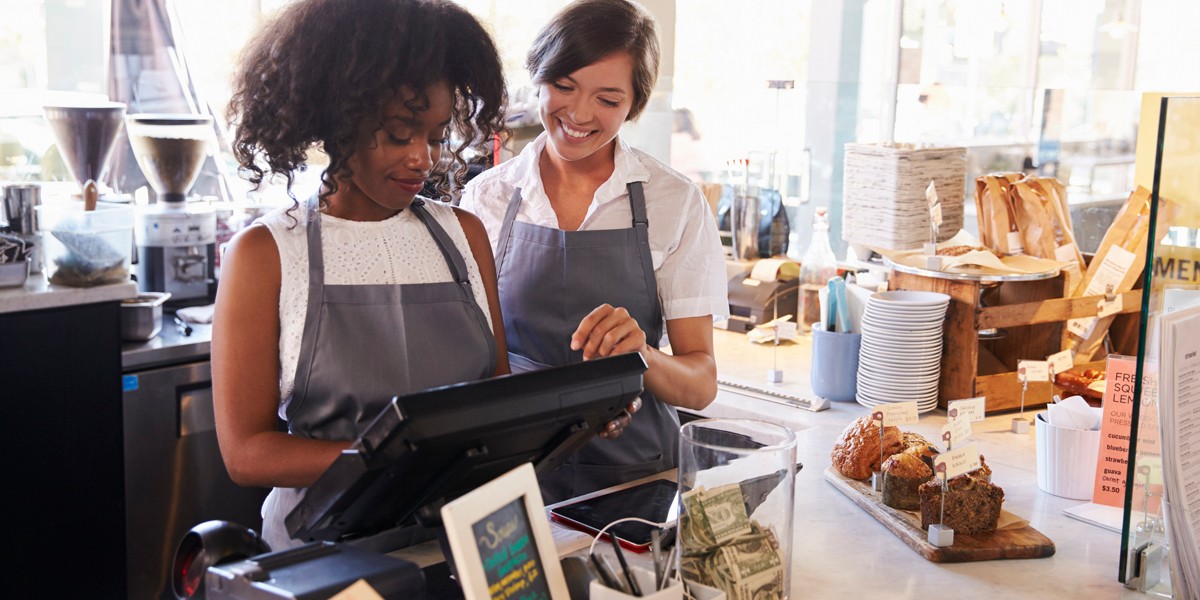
<point x="818" y="266"/>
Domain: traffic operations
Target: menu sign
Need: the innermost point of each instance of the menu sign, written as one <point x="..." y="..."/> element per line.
<point x="510" y="559"/>
<point x="1114" y="431"/>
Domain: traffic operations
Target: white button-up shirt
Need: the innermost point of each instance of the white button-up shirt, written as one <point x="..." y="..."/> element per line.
<point x="689" y="263"/>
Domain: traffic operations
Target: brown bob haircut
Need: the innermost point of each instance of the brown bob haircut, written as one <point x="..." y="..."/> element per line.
<point x="587" y="31"/>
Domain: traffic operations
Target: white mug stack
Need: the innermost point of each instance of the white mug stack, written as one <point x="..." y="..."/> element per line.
<point x="901" y="355"/>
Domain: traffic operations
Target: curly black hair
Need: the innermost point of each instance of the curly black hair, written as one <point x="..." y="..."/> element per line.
<point x="321" y="68"/>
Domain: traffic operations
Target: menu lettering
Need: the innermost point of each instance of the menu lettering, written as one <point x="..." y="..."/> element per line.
<point x="511" y="562"/>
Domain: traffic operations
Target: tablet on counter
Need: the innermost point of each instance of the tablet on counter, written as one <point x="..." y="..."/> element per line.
<point x="653" y="501"/>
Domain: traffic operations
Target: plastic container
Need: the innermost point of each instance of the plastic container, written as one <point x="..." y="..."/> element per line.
<point x="741" y="474"/>
<point x="14" y="274"/>
<point x="1066" y="459"/>
<point x="86" y="248"/>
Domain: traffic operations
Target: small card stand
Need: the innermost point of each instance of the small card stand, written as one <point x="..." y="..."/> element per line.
<point x="877" y="481"/>
<point x="930" y="249"/>
<point x="1020" y="425"/>
<point x="933" y="263"/>
<point x="941" y="536"/>
<point x="672" y="591"/>
<point x="774" y="376"/>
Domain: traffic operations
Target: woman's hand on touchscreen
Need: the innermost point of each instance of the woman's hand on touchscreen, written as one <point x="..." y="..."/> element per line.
<point x="607" y="331"/>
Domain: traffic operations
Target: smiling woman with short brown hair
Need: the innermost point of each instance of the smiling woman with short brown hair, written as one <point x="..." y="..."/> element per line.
<point x="600" y="247"/>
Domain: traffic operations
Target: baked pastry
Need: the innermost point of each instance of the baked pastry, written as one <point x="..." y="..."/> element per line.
<point x="961" y="250"/>
<point x="902" y="474"/>
<point x="915" y="443"/>
<point x="1080" y="384"/>
<point x="972" y="504"/>
<point x="856" y="452"/>
<point x="983" y="473"/>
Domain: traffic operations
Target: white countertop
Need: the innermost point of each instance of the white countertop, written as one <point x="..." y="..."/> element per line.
<point x="38" y="294"/>
<point x="840" y="551"/>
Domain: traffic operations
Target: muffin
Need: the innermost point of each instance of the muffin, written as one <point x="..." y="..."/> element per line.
<point x="856" y="453"/>
<point x="903" y="474"/>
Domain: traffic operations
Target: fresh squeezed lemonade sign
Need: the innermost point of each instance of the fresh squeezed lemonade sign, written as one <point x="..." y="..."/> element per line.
<point x="510" y="560"/>
<point x="1115" y="430"/>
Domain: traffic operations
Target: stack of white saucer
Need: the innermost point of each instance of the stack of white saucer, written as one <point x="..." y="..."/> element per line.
<point x="901" y="355"/>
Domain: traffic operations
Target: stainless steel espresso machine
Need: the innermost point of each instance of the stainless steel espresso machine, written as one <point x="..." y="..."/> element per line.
<point x="176" y="241"/>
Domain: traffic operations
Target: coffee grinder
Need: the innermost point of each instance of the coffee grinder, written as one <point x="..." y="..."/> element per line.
<point x="176" y="241"/>
<point x="85" y="136"/>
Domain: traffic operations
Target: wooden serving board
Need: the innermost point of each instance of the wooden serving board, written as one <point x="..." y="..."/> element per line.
<point x="1025" y="542"/>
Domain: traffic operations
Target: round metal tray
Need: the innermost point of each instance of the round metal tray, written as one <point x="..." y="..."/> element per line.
<point x="980" y="277"/>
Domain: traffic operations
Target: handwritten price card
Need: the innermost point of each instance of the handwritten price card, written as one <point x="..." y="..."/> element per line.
<point x="899" y="413"/>
<point x="1033" y="370"/>
<point x="972" y="407"/>
<point x="957" y="428"/>
<point x="957" y="461"/>
<point x="931" y="193"/>
<point x="510" y="560"/>
<point x="1061" y="362"/>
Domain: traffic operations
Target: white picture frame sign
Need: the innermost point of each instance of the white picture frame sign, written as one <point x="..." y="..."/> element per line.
<point x="501" y="541"/>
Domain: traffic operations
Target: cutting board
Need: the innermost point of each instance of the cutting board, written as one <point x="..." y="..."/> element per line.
<point x="1025" y="542"/>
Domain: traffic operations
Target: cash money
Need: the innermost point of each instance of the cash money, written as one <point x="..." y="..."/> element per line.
<point x="723" y="548"/>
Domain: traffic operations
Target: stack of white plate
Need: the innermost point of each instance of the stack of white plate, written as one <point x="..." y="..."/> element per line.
<point x="901" y="355"/>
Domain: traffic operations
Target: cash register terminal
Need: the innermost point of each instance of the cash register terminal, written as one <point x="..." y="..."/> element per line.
<point x="423" y="450"/>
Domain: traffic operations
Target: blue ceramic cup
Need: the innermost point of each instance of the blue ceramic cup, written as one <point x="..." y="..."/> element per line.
<point x="834" y="369"/>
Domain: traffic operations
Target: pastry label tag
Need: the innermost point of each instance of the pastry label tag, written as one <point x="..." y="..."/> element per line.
<point x="931" y="194"/>
<point x="935" y="215"/>
<point x="1105" y="308"/>
<point x="958" y="427"/>
<point x="973" y="408"/>
<point x="1033" y="370"/>
<point x="957" y="461"/>
<point x="1065" y="253"/>
<point x="1061" y="362"/>
<point x="895" y="414"/>
<point x="1082" y="327"/>
<point x="1015" y="245"/>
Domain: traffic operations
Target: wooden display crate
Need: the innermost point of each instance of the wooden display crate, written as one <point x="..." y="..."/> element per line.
<point x="1033" y="312"/>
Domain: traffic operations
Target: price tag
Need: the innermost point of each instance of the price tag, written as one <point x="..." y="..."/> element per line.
<point x="1066" y="253"/>
<point x="1015" y="245"/>
<point x="931" y="194"/>
<point x="935" y="214"/>
<point x="1082" y="327"/>
<point x="1105" y="308"/>
<point x="957" y="461"/>
<point x="895" y="414"/>
<point x="957" y="428"/>
<point x="1061" y="362"/>
<point x="1033" y="370"/>
<point x="973" y="408"/>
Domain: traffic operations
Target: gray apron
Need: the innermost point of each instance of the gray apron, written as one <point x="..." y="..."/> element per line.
<point x="549" y="280"/>
<point x="364" y="344"/>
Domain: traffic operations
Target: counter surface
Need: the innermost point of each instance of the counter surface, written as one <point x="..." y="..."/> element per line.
<point x="38" y="294"/>
<point x="841" y="551"/>
<point x="168" y="347"/>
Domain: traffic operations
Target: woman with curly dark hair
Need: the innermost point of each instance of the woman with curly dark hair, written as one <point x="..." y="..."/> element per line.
<point x="331" y="307"/>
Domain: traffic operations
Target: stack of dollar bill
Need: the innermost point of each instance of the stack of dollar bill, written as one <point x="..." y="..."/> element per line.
<point x="723" y="548"/>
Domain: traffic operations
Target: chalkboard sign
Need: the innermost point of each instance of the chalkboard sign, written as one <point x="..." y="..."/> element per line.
<point x="510" y="559"/>
<point x="501" y="542"/>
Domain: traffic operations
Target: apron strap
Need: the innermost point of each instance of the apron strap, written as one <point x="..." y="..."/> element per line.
<point x="510" y="215"/>
<point x="316" y="295"/>
<point x="641" y="226"/>
<point x="454" y="259"/>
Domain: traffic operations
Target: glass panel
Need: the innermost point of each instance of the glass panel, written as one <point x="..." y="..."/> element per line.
<point x="1169" y="285"/>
